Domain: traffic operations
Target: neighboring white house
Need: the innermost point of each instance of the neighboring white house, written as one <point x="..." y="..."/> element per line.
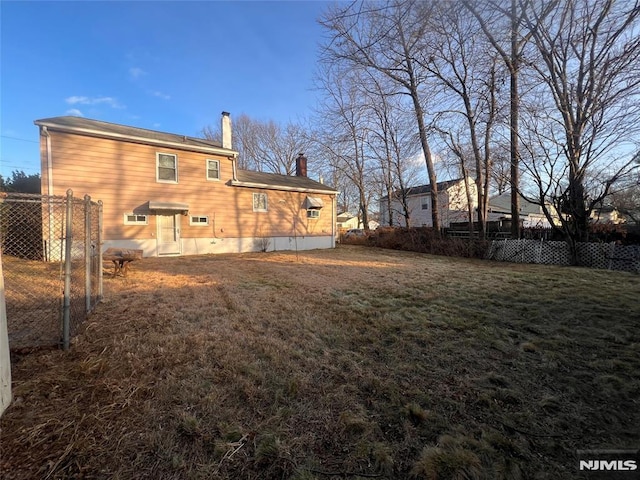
<point x="531" y="214"/>
<point x="607" y="214"/>
<point x="347" y="220"/>
<point x="452" y="198"/>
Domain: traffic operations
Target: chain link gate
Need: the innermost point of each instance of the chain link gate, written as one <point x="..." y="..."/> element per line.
<point x="52" y="266"/>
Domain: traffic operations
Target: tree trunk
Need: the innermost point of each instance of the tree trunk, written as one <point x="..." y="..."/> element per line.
<point x="514" y="107"/>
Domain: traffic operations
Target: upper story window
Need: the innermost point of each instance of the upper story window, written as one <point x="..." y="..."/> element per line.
<point x="260" y="203"/>
<point x="166" y="168"/>
<point x="213" y="169"/>
<point x="425" y="203"/>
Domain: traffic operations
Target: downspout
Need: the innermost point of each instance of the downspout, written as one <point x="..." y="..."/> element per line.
<point x="333" y="220"/>
<point x="47" y="247"/>
<point x="233" y="165"/>
<point x="49" y="166"/>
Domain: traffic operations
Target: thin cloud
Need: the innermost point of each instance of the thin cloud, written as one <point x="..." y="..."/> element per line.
<point x="136" y="72"/>
<point x="164" y="96"/>
<point x="81" y="100"/>
<point x="74" y="112"/>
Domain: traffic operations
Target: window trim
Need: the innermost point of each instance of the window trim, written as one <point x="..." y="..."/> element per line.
<point x="206" y="171"/>
<point x="175" y="157"/>
<point x="198" y="224"/>
<point x="136" y="222"/>
<point x="312" y="210"/>
<point x="266" y="202"/>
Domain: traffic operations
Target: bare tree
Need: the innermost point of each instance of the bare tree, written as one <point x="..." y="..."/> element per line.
<point x="582" y="136"/>
<point x="490" y="15"/>
<point x="266" y="146"/>
<point x="343" y="132"/>
<point x="460" y="62"/>
<point x="392" y="142"/>
<point x="387" y="38"/>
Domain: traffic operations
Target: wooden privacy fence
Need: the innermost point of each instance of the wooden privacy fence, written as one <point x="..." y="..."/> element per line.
<point x="52" y="264"/>
<point x="609" y="256"/>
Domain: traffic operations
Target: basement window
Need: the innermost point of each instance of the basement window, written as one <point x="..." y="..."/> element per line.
<point x="199" y="220"/>
<point x="135" y="219"/>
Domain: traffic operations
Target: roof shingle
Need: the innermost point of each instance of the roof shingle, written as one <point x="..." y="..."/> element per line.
<point x="113" y="128"/>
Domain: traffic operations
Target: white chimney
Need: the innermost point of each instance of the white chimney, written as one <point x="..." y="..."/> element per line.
<point x="226" y="130"/>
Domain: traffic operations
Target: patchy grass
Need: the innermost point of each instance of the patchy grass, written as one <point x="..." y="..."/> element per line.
<point x="350" y="362"/>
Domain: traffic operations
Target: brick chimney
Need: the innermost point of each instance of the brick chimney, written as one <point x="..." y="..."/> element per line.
<point x="301" y="165"/>
<point x="226" y="130"/>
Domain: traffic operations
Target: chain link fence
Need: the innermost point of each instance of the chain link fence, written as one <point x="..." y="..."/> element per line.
<point x="52" y="266"/>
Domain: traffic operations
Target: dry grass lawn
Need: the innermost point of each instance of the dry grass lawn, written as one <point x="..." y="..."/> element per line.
<point x="347" y="363"/>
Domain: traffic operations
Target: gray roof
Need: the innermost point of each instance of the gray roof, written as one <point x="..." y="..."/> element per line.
<point x="284" y="181"/>
<point x="107" y="128"/>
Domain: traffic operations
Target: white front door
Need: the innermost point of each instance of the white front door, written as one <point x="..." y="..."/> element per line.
<point x="168" y="234"/>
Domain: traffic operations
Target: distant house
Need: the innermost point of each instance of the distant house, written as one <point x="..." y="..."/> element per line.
<point x="170" y="194"/>
<point x="452" y="199"/>
<point x="607" y="214"/>
<point x="531" y="214"/>
<point x="347" y="220"/>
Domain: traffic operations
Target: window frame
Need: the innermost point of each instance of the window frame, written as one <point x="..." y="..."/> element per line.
<point x="175" y="157"/>
<point x="198" y="224"/>
<point x="206" y="172"/>
<point x="313" y="210"/>
<point x="136" y="222"/>
<point x="266" y="202"/>
<point x="425" y="203"/>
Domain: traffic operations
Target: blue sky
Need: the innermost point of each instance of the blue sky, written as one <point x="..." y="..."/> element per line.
<point x="168" y="66"/>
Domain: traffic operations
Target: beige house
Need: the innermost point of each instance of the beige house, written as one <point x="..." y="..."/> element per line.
<point x="452" y="199"/>
<point x="171" y="194"/>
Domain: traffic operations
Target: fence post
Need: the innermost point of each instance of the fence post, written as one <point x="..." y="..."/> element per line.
<point x="99" y="247"/>
<point x="66" y="308"/>
<point x="87" y="252"/>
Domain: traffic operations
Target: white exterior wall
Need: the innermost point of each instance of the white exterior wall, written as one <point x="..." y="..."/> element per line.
<point x="452" y="207"/>
<point x="201" y="246"/>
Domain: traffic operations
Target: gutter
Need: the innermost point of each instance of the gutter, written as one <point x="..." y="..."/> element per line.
<point x="237" y="183"/>
<point x="147" y="141"/>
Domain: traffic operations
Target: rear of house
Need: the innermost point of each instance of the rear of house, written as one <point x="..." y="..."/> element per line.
<point x="170" y="194"/>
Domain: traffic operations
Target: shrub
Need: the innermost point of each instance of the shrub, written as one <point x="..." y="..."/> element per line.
<point x="426" y="240"/>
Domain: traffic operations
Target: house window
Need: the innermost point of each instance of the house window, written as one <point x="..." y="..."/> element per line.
<point x="199" y="220"/>
<point x="167" y="168"/>
<point x="425" y="203"/>
<point x="134" y="219"/>
<point x="260" y="202"/>
<point x="213" y="170"/>
<point x="313" y="213"/>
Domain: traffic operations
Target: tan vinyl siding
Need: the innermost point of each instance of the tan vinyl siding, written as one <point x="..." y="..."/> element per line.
<point x="123" y="175"/>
